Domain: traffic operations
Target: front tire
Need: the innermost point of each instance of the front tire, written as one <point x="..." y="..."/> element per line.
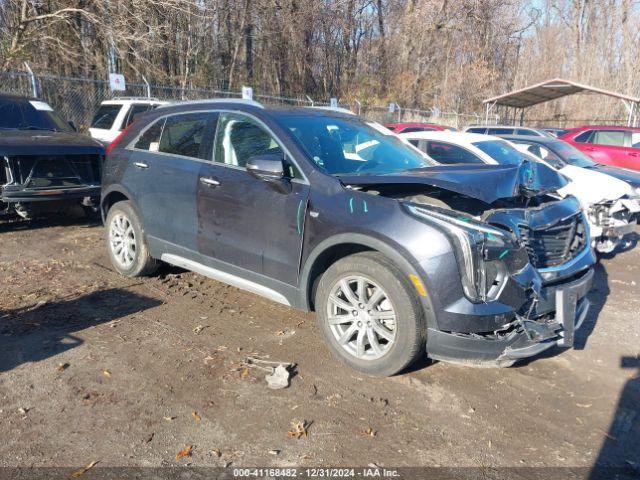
<point x="370" y="315"/>
<point x="126" y="243"/>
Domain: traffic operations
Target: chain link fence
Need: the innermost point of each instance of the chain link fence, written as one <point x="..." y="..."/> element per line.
<point x="77" y="99"/>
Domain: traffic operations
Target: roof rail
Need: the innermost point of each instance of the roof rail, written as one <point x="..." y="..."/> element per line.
<point x="153" y="99"/>
<point x="242" y="101"/>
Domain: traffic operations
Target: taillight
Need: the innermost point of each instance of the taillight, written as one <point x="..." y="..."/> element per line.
<point x="115" y="141"/>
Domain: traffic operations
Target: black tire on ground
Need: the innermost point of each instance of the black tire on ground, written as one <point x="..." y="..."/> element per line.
<point x="411" y="326"/>
<point x="143" y="264"/>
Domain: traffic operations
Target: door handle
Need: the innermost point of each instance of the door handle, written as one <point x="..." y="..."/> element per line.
<point x="590" y="149"/>
<point x="141" y="165"/>
<point x="210" y="182"/>
<point x="634" y="154"/>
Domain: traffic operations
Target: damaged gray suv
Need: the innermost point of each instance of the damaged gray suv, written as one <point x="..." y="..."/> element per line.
<point x="321" y="211"/>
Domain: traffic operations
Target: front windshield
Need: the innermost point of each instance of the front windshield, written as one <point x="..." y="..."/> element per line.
<point x="572" y="155"/>
<point x="340" y="145"/>
<point x="30" y="115"/>
<point x="500" y="151"/>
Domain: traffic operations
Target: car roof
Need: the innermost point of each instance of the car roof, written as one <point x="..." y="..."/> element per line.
<point x="122" y="101"/>
<point x="531" y="138"/>
<point x="605" y="127"/>
<point x="500" y="126"/>
<point x="251" y="106"/>
<point x="454" y="137"/>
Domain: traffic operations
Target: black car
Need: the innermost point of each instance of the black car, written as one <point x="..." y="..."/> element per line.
<point x="320" y="211"/>
<point x="47" y="165"/>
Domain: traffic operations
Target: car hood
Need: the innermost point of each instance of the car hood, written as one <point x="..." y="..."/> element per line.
<point x="590" y="186"/>
<point x="487" y="183"/>
<point x="44" y="142"/>
<point x="630" y="176"/>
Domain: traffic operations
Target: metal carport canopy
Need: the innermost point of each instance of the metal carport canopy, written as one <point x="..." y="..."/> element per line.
<point x="552" y="90"/>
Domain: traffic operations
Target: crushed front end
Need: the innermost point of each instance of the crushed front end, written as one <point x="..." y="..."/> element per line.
<point x="611" y="221"/>
<point x="555" y="237"/>
<point x="32" y="184"/>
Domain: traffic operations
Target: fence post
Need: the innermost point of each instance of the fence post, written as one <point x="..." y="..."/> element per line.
<point x="34" y="83"/>
<point x="148" y="86"/>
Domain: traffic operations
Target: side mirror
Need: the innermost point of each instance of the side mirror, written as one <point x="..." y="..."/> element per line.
<point x="266" y="167"/>
<point x="73" y="126"/>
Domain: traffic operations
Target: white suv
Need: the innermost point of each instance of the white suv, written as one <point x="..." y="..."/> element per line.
<point x="115" y="115"/>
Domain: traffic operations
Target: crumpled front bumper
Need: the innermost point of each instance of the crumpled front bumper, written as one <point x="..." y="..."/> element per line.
<point x="524" y="338"/>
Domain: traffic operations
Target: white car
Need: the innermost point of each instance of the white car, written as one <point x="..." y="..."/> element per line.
<point x="115" y="115"/>
<point x="612" y="211"/>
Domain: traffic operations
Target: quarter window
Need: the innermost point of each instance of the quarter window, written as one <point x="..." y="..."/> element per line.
<point x="583" y="137"/>
<point x="448" y="154"/>
<point x="609" y="137"/>
<point x="188" y="134"/>
<point x="135" y="110"/>
<point x="635" y="140"/>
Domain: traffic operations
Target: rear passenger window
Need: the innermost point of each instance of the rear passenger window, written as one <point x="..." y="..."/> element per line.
<point x="150" y="139"/>
<point x="449" y="154"/>
<point x="500" y="131"/>
<point x="635" y="140"/>
<point x="189" y="134"/>
<point x="609" y="137"/>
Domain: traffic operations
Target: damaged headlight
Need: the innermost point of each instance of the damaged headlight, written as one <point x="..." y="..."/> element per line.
<point x="481" y="251"/>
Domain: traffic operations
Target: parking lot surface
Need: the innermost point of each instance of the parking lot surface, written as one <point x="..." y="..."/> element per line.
<point x="129" y="372"/>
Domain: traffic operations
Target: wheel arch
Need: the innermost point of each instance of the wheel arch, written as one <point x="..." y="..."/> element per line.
<point x="339" y="246"/>
<point x="112" y="196"/>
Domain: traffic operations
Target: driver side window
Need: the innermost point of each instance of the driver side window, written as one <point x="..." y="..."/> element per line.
<point x="239" y="138"/>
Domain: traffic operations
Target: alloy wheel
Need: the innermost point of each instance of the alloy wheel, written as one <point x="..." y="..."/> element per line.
<point x="361" y="317"/>
<point x="122" y="240"/>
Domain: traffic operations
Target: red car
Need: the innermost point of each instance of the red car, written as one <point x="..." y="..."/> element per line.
<point x="417" y="127"/>
<point x="609" y="145"/>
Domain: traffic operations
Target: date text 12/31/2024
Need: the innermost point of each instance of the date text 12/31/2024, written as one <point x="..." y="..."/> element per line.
<point x="367" y="472"/>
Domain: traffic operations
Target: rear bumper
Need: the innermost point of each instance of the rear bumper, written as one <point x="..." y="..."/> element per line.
<point x="524" y="338"/>
<point x="40" y="195"/>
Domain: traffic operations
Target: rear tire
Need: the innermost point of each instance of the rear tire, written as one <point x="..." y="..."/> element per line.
<point x="126" y="242"/>
<point x="369" y="314"/>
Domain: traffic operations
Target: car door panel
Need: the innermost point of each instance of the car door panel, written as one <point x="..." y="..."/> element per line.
<point x="168" y="180"/>
<point x="246" y="221"/>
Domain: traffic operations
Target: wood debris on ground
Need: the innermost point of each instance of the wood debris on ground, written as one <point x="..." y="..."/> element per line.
<point x="83" y="470"/>
<point x="299" y="429"/>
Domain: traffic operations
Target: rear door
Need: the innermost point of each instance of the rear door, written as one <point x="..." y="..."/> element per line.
<point x="604" y="146"/>
<point x="246" y="222"/>
<point x="631" y="158"/>
<point x="166" y="162"/>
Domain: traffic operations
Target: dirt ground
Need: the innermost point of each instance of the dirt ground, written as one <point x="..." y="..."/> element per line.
<point x="128" y="372"/>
